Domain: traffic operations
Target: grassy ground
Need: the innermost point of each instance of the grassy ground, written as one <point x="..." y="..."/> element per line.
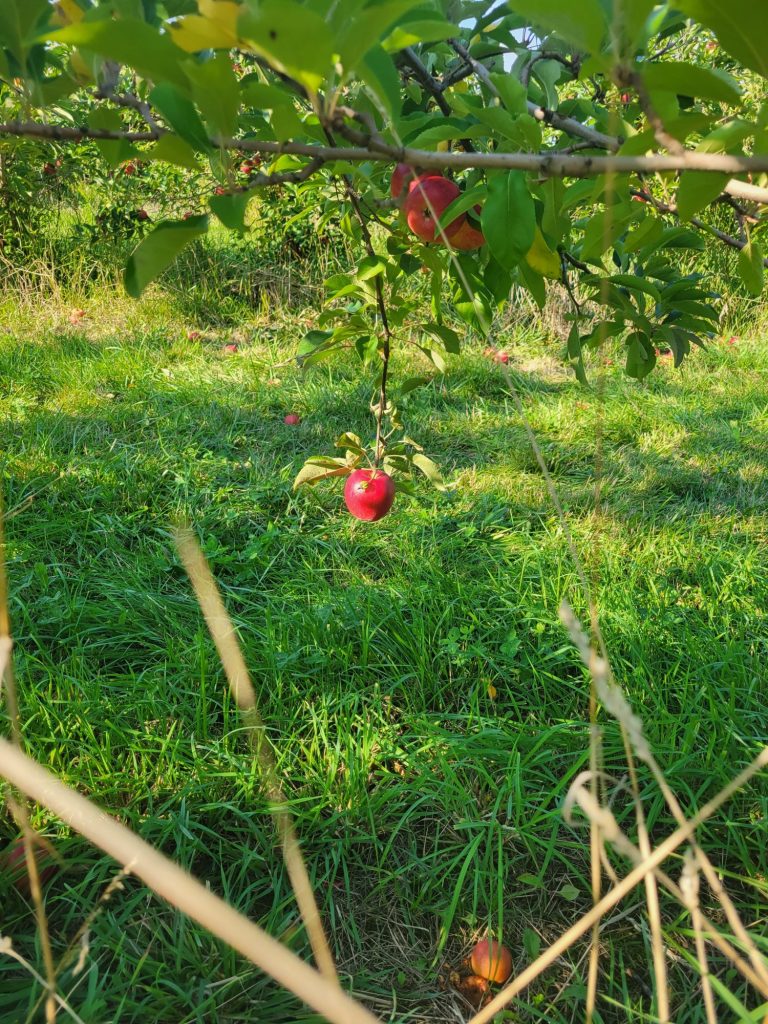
<point x="429" y="810"/>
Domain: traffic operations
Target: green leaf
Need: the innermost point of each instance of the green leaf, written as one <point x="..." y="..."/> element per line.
<point x="466" y="201"/>
<point x="534" y="282"/>
<point x="508" y="219"/>
<point x="130" y="42"/>
<point x="173" y="150"/>
<point x="230" y="209"/>
<point x="569" y="892"/>
<point x="641" y="357"/>
<point x="583" y="23"/>
<point x="379" y="73"/>
<point x="419" y="30"/>
<point x="216" y="92"/>
<point x="181" y="115"/>
<point x="316" y="469"/>
<point x="158" y="250"/>
<point x="697" y="190"/>
<point x="691" y="80"/>
<point x="262" y="96"/>
<point x="575" y="355"/>
<point x="293" y="38"/>
<point x="751" y="267"/>
<point x="367" y="28"/>
<point x="430" y="470"/>
<point x="512" y="92"/>
<point x="741" y="27"/>
<point x="449" y="338"/>
<point x="109" y="120"/>
<point x="18" y="19"/>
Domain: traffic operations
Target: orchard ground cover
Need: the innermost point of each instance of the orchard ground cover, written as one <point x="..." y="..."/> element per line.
<point x="428" y="709"/>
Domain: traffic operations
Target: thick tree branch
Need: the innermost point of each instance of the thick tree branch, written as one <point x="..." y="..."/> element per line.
<point x="366" y="149"/>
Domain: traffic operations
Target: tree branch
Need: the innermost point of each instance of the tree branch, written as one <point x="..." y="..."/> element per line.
<point x="734" y="243"/>
<point x="366" y="149"/>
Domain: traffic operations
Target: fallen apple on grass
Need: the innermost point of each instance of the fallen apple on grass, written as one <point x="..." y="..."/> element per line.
<point x="292" y="419"/>
<point x="194" y="335"/>
<point x="231" y="348"/>
<point x="491" y="960"/>
<point x="13" y="865"/>
<point x="369" y="494"/>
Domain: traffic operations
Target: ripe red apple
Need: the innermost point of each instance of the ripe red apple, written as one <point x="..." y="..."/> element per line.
<point x="13" y="866"/>
<point x="142" y="215"/>
<point x="49" y="168"/>
<point x="129" y="169"/>
<point x="466" y="236"/>
<point x="368" y="494"/>
<point x="429" y="197"/>
<point x="292" y="419"/>
<point x="501" y="357"/>
<point x="402" y="176"/>
<point x="246" y="167"/>
<point x="220" y="190"/>
<point x="194" y="335"/>
<point x="491" y="960"/>
<point x="230" y="348"/>
<point x="625" y="98"/>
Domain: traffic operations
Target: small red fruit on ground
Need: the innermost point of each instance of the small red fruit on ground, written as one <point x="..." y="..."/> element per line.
<point x="49" y="169"/>
<point x="501" y="357"/>
<point x="194" y="335"/>
<point x="188" y="214"/>
<point x="625" y="98"/>
<point x="429" y="197"/>
<point x="142" y="215"/>
<point x="220" y="190"/>
<point x="230" y="348"/>
<point x="292" y="419"/>
<point x="13" y="866"/>
<point x="491" y="960"/>
<point x="369" y="494"/>
<point x="129" y="169"/>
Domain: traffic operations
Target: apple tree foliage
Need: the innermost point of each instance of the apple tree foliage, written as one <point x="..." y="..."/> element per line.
<point x="552" y="116"/>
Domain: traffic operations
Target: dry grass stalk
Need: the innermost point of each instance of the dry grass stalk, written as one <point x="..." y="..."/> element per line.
<point x="224" y="636"/>
<point x="618" y="892"/>
<point x="180" y="889"/>
<point x="689" y="888"/>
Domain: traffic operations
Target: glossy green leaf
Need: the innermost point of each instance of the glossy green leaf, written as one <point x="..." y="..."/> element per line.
<point x="512" y="92"/>
<point x="751" y="267"/>
<point x="697" y="190"/>
<point x="130" y="42"/>
<point x="581" y="23"/>
<point x="181" y="114"/>
<point x="18" y="20"/>
<point x="641" y="357"/>
<point x="379" y="73"/>
<point x="419" y="30"/>
<point x="508" y="219"/>
<point x="158" y="250"/>
<point x="173" y="150"/>
<point x="367" y="28"/>
<point x="216" y="92"/>
<point x="691" y="80"/>
<point x="293" y="38"/>
<point x="230" y="209"/>
<point x="448" y="338"/>
<point x="321" y="468"/>
<point x="741" y="27"/>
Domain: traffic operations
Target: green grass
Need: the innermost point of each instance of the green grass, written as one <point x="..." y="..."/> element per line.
<point x="428" y="811"/>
